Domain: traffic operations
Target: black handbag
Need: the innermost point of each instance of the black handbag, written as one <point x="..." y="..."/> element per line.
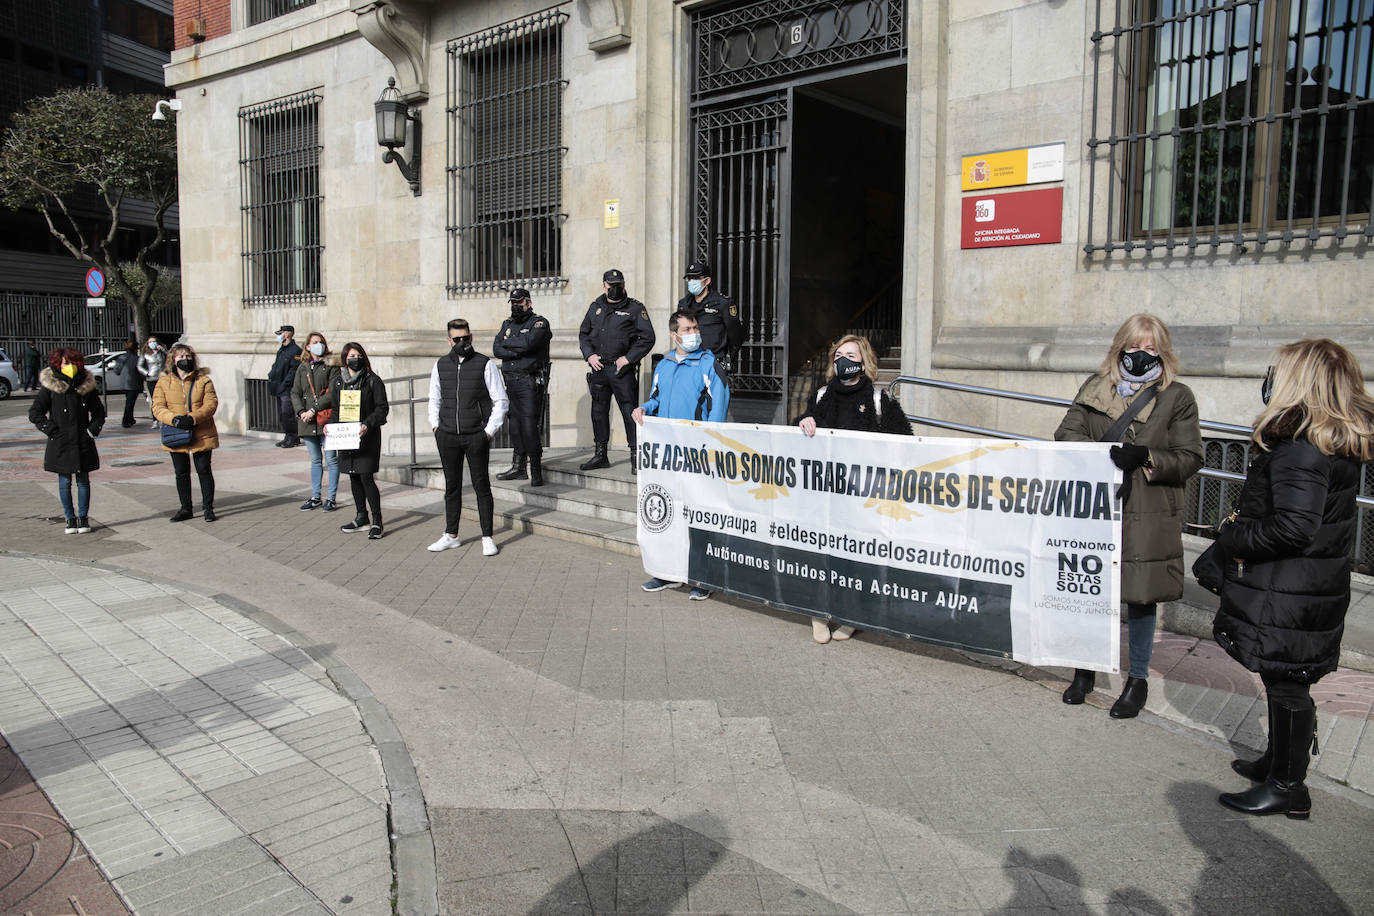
<point x="175" y="436"/>
<point x="1210" y="568"/>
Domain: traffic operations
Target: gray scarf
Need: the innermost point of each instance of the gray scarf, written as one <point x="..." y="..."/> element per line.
<point x="1130" y="384"/>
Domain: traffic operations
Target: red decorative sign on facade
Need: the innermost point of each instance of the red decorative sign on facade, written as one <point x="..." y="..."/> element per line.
<point x="1001" y="220"/>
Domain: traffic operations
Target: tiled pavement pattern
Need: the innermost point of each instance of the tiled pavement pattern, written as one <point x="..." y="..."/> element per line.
<point x="585" y="747"/>
<point x="170" y="732"/>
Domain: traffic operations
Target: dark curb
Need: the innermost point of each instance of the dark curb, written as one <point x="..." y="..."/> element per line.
<point x="413" y="865"/>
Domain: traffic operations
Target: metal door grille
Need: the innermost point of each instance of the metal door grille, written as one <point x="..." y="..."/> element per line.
<point x="263" y="10"/>
<point x="1231" y="124"/>
<point x="737" y="226"/>
<point x="505" y="155"/>
<point x="279" y="185"/>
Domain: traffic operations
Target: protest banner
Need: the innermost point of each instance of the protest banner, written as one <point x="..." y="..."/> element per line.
<point x="342" y="436"/>
<point x="1003" y="547"/>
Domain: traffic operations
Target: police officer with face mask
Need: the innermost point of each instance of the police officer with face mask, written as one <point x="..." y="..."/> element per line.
<point x="615" y="335"/>
<point x="522" y="345"/>
<point x="717" y="316"/>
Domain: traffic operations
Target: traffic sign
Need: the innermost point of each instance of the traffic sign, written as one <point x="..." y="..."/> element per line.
<point x="95" y="281"/>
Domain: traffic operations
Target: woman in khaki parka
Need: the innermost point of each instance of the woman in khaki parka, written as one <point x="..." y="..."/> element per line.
<point x="1157" y="454"/>
<point x="185" y="398"/>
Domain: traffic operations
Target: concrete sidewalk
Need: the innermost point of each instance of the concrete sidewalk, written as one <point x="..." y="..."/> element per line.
<point x="585" y="747"/>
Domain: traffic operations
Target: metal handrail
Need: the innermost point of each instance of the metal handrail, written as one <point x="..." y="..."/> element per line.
<point x="410" y="402"/>
<point x="1366" y="502"/>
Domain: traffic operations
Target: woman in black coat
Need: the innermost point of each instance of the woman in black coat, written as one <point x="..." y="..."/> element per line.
<point x="68" y="411"/>
<point x="848" y="400"/>
<point x="359" y="396"/>
<point x="1287" y="572"/>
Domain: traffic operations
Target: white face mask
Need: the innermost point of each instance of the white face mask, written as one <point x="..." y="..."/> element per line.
<point x="317" y="349"/>
<point x="695" y="287"/>
<point x="279" y="338"/>
<point x="690" y="342"/>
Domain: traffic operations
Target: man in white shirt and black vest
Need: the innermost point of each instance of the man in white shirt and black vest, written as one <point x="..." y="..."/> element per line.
<point x="467" y="402"/>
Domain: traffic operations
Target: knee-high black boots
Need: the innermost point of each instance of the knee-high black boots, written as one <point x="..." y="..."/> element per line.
<point x="1291" y="736"/>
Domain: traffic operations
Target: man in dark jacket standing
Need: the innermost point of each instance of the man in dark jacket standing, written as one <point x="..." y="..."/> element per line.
<point x="615" y="335"/>
<point x="467" y="402"/>
<point x="718" y="317"/>
<point x="279" y="382"/>
<point x="523" y="346"/>
<point x="33" y="361"/>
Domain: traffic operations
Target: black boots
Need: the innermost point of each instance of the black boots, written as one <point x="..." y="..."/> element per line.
<point x="1283" y="792"/>
<point x="517" y="468"/>
<point x="210" y="513"/>
<point x="1258" y="770"/>
<point x="536" y="471"/>
<point x="1082" y="686"/>
<point x="598" y="459"/>
<point x="182" y="514"/>
<point x="1127" y="706"/>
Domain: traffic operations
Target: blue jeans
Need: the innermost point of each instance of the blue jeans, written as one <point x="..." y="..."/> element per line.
<point x="319" y="457"/>
<point x="83" y="493"/>
<point x="1140" y="632"/>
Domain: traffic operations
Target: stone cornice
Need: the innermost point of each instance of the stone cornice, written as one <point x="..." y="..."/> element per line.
<point x="326" y="23"/>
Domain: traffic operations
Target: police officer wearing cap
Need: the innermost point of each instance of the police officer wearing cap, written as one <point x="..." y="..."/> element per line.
<point x="522" y="344"/>
<point x="721" y="330"/>
<point x="279" y="381"/>
<point x="614" y="337"/>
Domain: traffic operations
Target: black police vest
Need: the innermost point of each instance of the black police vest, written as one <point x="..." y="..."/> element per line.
<point x="463" y="393"/>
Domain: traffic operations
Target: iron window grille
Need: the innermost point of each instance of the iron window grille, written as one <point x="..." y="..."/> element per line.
<point x="1241" y="123"/>
<point x="770" y="39"/>
<point x="505" y="154"/>
<point x="279" y="186"/>
<point x="263" y="10"/>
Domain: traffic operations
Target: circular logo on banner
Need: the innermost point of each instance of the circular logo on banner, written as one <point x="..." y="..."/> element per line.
<point x="655" y="508"/>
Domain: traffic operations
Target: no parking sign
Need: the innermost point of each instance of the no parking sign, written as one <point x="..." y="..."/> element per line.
<point x="95" y="281"/>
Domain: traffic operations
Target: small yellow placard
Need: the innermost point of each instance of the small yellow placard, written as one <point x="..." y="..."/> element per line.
<point x="1009" y="168"/>
<point x="350" y="406"/>
<point x="612" y="218"/>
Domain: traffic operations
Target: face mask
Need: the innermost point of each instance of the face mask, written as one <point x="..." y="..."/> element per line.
<point x="1267" y="386"/>
<point x="690" y="342"/>
<point x="355" y="364"/>
<point x="186" y="365"/>
<point x="846" y="368"/>
<point x="463" y="346"/>
<point x="695" y="286"/>
<point x="317" y="349"/>
<point x="69" y="370"/>
<point x="517" y="311"/>
<point x="279" y="338"/>
<point x="1136" y="363"/>
<point x="616" y="292"/>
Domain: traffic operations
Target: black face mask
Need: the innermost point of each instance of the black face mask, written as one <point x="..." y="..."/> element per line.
<point x="1136" y="363"/>
<point x="355" y="364"/>
<point x="186" y="365"/>
<point x="517" y="311"/>
<point x="462" y="347"/>
<point x="616" y="292"/>
<point x="1267" y="386"/>
<point x="846" y="368"/>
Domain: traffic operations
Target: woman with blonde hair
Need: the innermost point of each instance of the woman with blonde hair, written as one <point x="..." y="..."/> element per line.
<point x="184" y="400"/>
<point x="1136" y="401"/>
<point x="313" y="400"/>
<point x="1286" y="584"/>
<point x="848" y="400"/>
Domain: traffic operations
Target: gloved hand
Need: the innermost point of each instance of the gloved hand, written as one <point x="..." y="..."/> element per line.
<point x="1129" y="457"/>
<point x="185" y="421"/>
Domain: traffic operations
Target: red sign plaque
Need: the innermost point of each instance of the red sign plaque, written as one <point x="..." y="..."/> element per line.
<point x="1002" y="220"/>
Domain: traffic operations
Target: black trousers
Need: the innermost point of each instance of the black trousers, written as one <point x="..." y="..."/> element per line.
<point x="365" y="493"/>
<point x="1288" y="693"/>
<point x="130" y="399"/>
<point x="526" y="406"/>
<point x="476" y="449"/>
<point x="181" y="466"/>
<point x="604" y="383"/>
<point x="287" y="413"/>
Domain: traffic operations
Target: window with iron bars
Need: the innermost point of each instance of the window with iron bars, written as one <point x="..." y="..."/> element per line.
<point x="505" y="155"/>
<point x="1241" y="124"/>
<point x="279" y="186"/>
<point x="263" y="10"/>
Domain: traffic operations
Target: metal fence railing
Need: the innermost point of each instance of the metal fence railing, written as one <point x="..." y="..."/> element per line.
<point x="263" y="412"/>
<point x="1209" y="495"/>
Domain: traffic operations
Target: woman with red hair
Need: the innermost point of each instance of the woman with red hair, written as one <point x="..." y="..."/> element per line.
<point x="68" y="411"/>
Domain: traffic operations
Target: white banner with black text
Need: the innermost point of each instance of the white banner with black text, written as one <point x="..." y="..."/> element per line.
<point x="1003" y="547"/>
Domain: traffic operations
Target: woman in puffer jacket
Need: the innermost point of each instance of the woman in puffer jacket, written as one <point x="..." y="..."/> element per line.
<point x="1287" y="572"/>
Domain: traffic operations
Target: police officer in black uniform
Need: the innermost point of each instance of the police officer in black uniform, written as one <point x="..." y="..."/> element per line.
<point x="614" y="337"/>
<point x="718" y="317"/>
<point x="523" y="347"/>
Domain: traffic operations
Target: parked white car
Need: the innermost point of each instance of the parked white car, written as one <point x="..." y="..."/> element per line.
<point x="9" y="379"/>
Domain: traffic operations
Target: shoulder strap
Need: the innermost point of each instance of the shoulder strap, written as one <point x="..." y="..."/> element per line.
<point x="1113" y="434"/>
<point x="877" y="402"/>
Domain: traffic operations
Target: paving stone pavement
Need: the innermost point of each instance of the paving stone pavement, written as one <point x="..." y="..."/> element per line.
<point x="585" y="747"/>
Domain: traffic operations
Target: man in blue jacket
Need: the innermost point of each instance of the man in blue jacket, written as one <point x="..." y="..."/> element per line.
<point x="687" y="386"/>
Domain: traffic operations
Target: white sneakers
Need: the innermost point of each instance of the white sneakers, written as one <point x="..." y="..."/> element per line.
<point x="445" y="542"/>
<point x="448" y="541"/>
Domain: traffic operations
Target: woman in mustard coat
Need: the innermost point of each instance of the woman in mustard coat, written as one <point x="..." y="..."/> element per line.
<point x="185" y="399"/>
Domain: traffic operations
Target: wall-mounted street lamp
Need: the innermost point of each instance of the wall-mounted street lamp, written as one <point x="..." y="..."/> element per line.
<point x="163" y="106"/>
<point x="392" y="115"/>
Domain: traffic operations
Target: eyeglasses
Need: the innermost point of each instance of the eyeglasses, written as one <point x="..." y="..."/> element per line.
<point x="461" y="337"/>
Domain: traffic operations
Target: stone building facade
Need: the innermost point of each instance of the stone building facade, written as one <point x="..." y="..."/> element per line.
<point x="815" y="152"/>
